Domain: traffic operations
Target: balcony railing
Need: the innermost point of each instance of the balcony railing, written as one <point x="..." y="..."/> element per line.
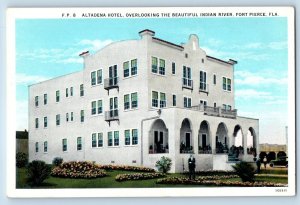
<point x="111" y="115"/>
<point x="218" y="111"/>
<point x="110" y="83"/>
<point x="203" y="87"/>
<point x="187" y="83"/>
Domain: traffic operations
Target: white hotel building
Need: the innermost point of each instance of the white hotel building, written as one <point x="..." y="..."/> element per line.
<point x="138" y="100"/>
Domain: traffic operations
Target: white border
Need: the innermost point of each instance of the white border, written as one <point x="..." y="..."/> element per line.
<point x="44" y="13"/>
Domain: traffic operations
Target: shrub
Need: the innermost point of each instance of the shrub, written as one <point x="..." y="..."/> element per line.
<point x="164" y="164"/>
<point x="138" y="176"/>
<point x="82" y="169"/>
<point x="245" y="171"/>
<point x="21" y="159"/>
<point x="38" y="171"/>
<point x="213" y="172"/>
<point x="57" y="161"/>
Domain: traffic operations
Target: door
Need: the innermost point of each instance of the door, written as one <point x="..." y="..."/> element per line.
<point x="113" y="106"/>
<point x="203" y="140"/>
<point x="188" y="139"/>
<point x="113" y="75"/>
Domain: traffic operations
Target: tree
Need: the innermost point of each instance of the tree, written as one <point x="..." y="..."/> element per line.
<point x="164" y="164"/>
<point x="38" y="171"/>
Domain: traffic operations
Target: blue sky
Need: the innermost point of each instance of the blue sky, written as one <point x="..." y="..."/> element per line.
<point x="48" y="48"/>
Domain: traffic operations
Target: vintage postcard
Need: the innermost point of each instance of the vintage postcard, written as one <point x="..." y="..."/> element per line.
<point x="151" y="102"/>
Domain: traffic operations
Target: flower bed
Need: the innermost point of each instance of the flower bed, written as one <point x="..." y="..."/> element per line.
<point x="186" y="181"/>
<point x="74" y="169"/>
<point x="212" y="172"/>
<point x="138" y="176"/>
<point x="126" y="168"/>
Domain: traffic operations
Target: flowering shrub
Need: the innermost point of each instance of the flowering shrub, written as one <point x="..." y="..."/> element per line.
<point x="186" y="181"/>
<point x="78" y="170"/>
<point x="126" y="168"/>
<point x="138" y="176"/>
<point x="164" y="164"/>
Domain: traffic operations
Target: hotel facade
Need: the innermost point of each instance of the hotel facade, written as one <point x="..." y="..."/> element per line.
<point x="138" y="100"/>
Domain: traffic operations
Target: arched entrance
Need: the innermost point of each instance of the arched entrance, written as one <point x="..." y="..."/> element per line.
<point x="222" y="139"/>
<point x="251" y="142"/>
<point x="204" y="138"/>
<point x="158" y="138"/>
<point x="237" y="145"/>
<point x="186" y="139"/>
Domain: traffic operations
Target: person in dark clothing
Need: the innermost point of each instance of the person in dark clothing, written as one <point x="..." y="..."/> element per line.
<point x="258" y="164"/>
<point x="192" y="166"/>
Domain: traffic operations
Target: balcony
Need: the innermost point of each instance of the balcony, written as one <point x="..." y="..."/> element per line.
<point x="219" y="112"/>
<point x="203" y="87"/>
<point x="110" y="83"/>
<point x="112" y="115"/>
<point x="187" y="83"/>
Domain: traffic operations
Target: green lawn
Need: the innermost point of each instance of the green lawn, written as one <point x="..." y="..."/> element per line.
<point x="109" y="181"/>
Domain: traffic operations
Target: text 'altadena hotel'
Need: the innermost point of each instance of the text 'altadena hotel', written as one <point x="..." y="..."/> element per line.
<point x="138" y="100"/>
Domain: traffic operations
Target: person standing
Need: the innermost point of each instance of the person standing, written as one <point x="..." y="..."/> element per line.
<point x="265" y="162"/>
<point x="258" y="164"/>
<point x="192" y="166"/>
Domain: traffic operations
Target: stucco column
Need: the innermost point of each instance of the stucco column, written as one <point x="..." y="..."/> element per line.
<point x="244" y="140"/>
<point x="213" y="132"/>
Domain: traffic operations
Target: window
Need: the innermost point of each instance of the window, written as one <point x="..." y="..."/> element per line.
<point x="134" y="100"/>
<point x="81" y="115"/>
<point x="93" y="78"/>
<point x="126" y="102"/>
<point x="94" y="140"/>
<point x="99" y="76"/>
<point x="79" y="143"/>
<point x="174" y="100"/>
<point x="224" y="106"/>
<point x="116" y="138"/>
<point x="94" y="108"/>
<point x="81" y="90"/>
<point x="45" y="99"/>
<point x="67" y="92"/>
<point x="187" y="76"/>
<point x="72" y="116"/>
<point x="229" y="107"/>
<point x="45" y="122"/>
<point x="154" y="65"/>
<point x="134" y="67"/>
<point x="100" y="139"/>
<point x="154" y="99"/>
<point x="64" y="145"/>
<point x="186" y="55"/>
<point x="67" y="117"/>
<point x="134" y="136"/>
<point x="126" y="69"/>
<point x="215" y="79"/>
<point x="110" y="140"/>
<point x="162" y="101"/>
<point x="113" y="75"/>
<point x="71" y="91"/>
<point x="36" y="147"/>
<point x="215" y="104"/>
<point x="202" y="60"/>
<point x="127" y="137"/>
<point x="57" y="96"/>
<point x="45" y="146"/>
<point x="36" y="100"/>
<point x="226" y="84"/>
<point x="203" y="102"/>
<point x="100" y="108"/>
<point x="58" y="119"/>
<point x="113" y="138"/>
<point x="36" y="122"/>
<point x="203" y="85"/>
<point x="173" y="68"/>
<point x="162" y="69"/>
<point x="187" y="102"/>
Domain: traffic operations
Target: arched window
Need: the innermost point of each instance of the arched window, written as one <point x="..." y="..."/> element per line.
<point x="204" y="138"/>
<point x="158" y="138"/>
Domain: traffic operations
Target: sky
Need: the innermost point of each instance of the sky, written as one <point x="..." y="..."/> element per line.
<point x="46" y="48"/>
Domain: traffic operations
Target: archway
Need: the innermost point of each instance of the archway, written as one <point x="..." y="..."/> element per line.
<point x="237" y="145"/>
<point x="222" y="139"/>
<point x="158" y="138"/>
<point x="204" y="138"/>
<point x="186" y="139"/>
<point x="251" y="142"/>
